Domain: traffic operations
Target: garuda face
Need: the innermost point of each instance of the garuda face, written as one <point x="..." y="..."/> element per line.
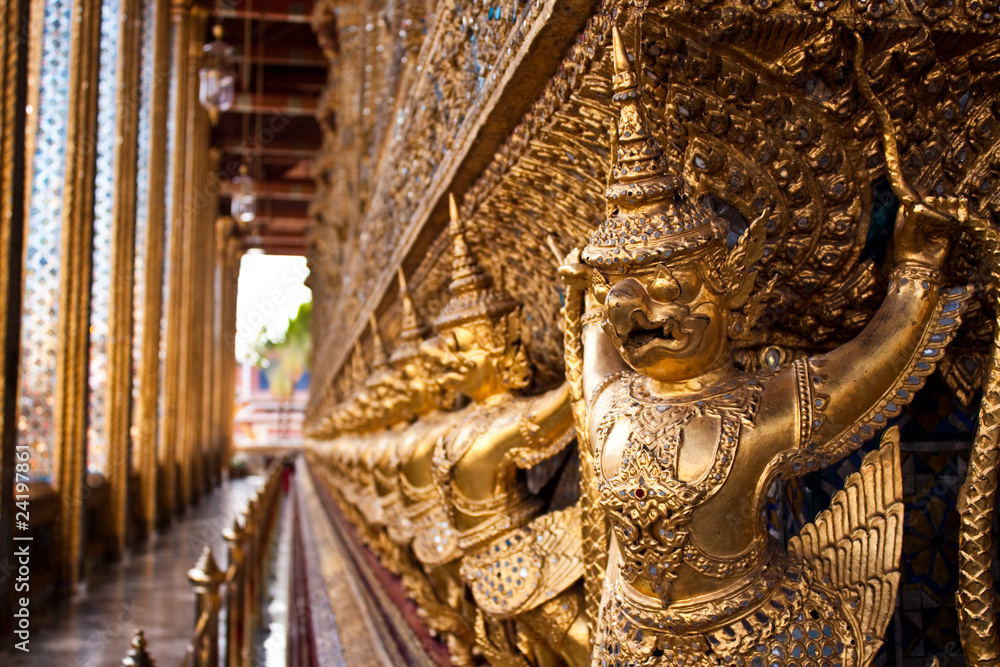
<point x="466" y="360"/>
<point x="666" y="320"/>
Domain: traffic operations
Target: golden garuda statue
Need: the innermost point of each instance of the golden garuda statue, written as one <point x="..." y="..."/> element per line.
<point x="684" y="444"/>
<point x="515" y="566"/>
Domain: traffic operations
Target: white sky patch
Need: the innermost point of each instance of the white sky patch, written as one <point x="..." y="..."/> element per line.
<point x="271" y="289"/>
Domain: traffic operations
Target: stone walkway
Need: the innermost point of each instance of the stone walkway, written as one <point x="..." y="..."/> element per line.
<point x="149" y="589"/>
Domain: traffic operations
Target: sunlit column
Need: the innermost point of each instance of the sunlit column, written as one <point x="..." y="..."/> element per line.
<point x="223" y="227"/>
<point x="118" y="402"/>
<point x="148" y="346"/>
<point x="231" y="278"/>
<point x="170" y="420"/>
<point x="70" y="418"/>
<point x="13" y="107"/>
<point x="229" y="250"/>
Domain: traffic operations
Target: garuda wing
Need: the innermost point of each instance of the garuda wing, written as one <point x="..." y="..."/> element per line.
<point x="853" y="547"/>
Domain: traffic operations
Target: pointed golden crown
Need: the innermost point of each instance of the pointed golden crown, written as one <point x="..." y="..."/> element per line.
<point x="412" y="331"/>
<point x="358" y="371"/>
<point x="650" y="218"/>
<point x="379" y="359"/>
<point x="472" y="294"/>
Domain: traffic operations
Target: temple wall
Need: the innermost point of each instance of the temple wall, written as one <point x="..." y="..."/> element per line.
<point x="508" y="107"/>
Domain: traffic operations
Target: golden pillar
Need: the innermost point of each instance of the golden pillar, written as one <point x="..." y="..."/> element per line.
<point x="70" y="422"/>
<point x="120" y="325"/>
<point x="207" y="281"/>
<point x="170" y="430"/>
<point x="13" y="90"/>
<point x="222" y="337"/>
<point x="187" y="417"/>
<point x="13" y="93"/>
<point x="197" y="194"/>
<point x="230" y="275"/>
<point x="149" y="358"/>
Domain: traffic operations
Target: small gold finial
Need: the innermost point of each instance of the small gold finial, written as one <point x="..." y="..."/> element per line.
<point x="453" y="209"/>
<point x="466" y="274"/>
<point x="649" y="217"/>
<point x="138" y="654"/>
<point x="472" y="296"/>
<point x="235" y="532"/>
<point x="358" y="371"/>
<point x="379" y="359"/>
<point x="206" y="570"/>
<point x="412" y="330"/>
<point x="624" y="78"/>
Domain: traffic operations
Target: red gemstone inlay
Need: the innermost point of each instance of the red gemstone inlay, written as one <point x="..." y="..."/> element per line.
<point x="639" y="493"/>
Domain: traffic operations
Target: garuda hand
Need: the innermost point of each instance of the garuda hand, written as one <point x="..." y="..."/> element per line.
<point x="924" y="230"/>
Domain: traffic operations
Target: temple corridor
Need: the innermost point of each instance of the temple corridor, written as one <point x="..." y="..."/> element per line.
<point x="148" y="590"/>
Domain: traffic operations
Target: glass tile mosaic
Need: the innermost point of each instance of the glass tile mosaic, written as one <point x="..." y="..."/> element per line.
<point x="40" y="308"/>
<point x="167" y="225"/>
<point x="142" y="198"/>
<point x="104" y="193"/>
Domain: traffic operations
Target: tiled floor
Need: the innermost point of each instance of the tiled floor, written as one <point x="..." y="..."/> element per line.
<point x="149" y="590"/>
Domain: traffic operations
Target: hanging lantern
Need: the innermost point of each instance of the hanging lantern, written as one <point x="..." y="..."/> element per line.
<point x="244" y="204"/>
<point x="218" y="82"/>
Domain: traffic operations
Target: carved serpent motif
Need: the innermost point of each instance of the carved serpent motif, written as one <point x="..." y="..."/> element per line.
<point x="595" y="533"/>
<point x="977" y="498"/>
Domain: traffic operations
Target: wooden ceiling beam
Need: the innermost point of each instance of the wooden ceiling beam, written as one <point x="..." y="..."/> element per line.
<point x="272" y="11"/>
<point x="288" y="105"/>
<point x="298" y="225"/>
<point x="277" y="245"/>
<point x="280" y="190"/>
<point x="299" y="57"/>
<point x="270" y="208"/>
<point x="291" y="150"/>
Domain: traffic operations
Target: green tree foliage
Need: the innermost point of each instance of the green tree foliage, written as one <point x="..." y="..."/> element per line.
<point x="285" y="361"/>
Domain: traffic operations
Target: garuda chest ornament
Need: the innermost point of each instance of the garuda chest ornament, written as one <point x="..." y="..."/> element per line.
<point x="811" y="605"/>
<point x="647" y="503"/>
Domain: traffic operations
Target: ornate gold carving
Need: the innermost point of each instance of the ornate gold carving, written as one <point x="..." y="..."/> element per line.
<point x="661" y="260"/>
<point x="751" y="146"/>
<point x="528" y="566"/>
<point x="74" y="291"/>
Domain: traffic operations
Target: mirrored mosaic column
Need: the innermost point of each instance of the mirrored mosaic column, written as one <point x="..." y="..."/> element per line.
<point x="70" y="414"/>
<point x="173" y="299"/>
<point x="150" y="248"/>
<point x="13" y="106"/>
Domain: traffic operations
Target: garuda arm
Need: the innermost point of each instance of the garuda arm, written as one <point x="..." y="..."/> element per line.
<point x="590" y="357"/>
<point x="845" y="396"/>
<point x="545" y="426"/>
<point x="842" y="399"/>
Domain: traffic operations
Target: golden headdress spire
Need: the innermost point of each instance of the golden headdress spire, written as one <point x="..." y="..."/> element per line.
<point x="639" y="156"/>
<point x="412" y="330"/>
<point x="378" y="359"/>
<point x="649" y="219"/>
<point x="466" y="274"/>
<point x="358" y="371"/>
<point x="472" y="293"/>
